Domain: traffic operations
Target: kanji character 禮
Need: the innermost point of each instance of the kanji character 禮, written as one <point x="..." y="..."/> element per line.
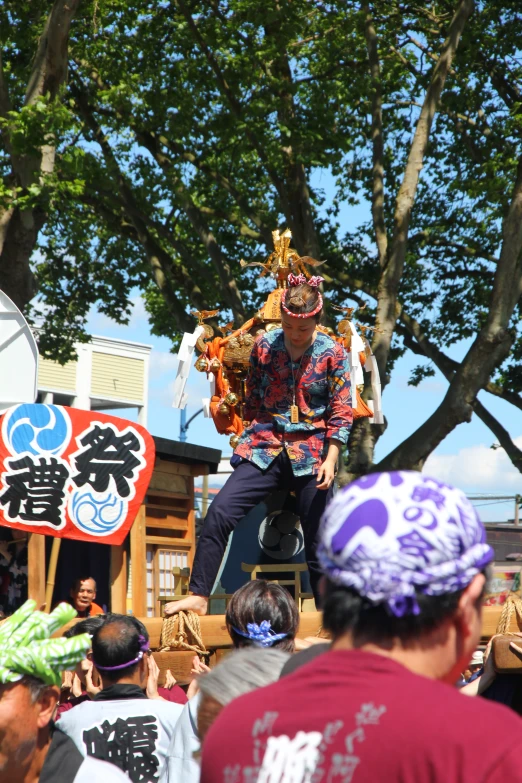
<point x="35" y="490"/>
<point x="128" y="743"/>
<point x="104" y="454"/>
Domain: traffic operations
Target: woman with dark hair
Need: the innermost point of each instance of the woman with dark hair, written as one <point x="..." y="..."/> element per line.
<point x="262" y="614"/>
<point x="298" y="405"/>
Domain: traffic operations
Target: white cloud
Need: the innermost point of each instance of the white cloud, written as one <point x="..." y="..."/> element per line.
<point x="477" y="469"/>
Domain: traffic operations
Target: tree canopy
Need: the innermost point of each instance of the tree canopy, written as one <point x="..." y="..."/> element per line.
<point x="171" y="138"/>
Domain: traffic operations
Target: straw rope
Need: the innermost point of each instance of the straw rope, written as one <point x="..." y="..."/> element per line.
<point x="182" y="631"/>
<point x="512" y="605"/>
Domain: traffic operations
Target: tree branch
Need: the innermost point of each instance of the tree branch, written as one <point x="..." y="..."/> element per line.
<point x="19" y="230"/>
<point x="379" y="224"/>
<point x="50" y="63"/>
<point x="392" y="273"/>
<point x="502" y="435"/>
<point x="234" y="104"/>
<point x="154" y="141"/>
<point x="488" y="351"/>
<point x="468" y="250"/>
<point x="5" y="103"/>
<point x="423" y="346"/>
<point x="231" y="291"/>
<point x="300" y="212"/>
<point x="161" y="264"/>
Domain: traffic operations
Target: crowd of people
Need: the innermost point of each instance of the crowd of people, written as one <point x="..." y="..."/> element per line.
<point x="404" y="565"/>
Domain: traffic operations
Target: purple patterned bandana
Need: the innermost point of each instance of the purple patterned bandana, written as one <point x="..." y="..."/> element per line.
<point x="390" y="534"/>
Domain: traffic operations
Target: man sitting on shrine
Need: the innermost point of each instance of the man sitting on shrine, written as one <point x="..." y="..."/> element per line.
<point x="122" y="724"/>
<point x="30" y="675"/>
<point x="83" y="593"/>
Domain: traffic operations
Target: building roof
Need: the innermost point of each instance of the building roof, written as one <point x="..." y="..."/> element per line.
<point x="175" y="451"/>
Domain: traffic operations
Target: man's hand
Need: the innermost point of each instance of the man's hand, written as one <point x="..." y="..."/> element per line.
<point x="152" y="680"/>
<point x="326" y="473"/>
<point x="77" y="687"/>
<point x="67" y="680"/>
<point x="90" y="687"/>
<point x="198" y="668"/>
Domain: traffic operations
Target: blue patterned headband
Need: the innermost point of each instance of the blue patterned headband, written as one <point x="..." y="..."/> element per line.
<point x="262" y="635"/>
<point x="390" y="535"/>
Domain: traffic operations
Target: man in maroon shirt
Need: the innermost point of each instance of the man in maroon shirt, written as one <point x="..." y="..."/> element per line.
<point x="404" y="558"/>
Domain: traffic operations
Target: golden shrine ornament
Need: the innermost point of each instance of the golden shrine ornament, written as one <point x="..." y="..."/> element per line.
<point x="227" y="355"/>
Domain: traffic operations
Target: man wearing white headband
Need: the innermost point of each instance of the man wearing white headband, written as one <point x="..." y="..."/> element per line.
<point x="299" y="409"/>
<point x="404" y="558"/>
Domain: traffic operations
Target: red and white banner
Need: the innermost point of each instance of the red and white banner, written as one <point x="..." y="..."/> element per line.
<point x="72" y="473"/>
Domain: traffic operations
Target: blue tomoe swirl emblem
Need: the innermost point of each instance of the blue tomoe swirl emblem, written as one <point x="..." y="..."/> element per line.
<point x="37" y="429"/>
<point x="99" y="515"/>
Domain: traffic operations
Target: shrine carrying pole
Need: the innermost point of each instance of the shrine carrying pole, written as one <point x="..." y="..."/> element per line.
<point x="51" y="573"/>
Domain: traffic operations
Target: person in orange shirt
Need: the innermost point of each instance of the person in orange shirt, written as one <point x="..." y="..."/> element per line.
<point x="83" y="593"/>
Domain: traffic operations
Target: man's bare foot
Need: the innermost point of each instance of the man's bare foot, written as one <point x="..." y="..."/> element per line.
<point x="194" y="603"/>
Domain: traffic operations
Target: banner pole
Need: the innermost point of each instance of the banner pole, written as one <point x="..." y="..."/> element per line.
<point x="51" y="573"/>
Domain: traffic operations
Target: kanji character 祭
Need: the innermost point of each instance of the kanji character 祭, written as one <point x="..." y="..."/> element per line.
<point x="129" y="744"/>
<point x="35" y="490"/>
<point x="104" y="454"/>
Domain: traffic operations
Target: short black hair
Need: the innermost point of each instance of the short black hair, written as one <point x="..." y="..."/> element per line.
<point x="90" y="625"/>
<point x="35" y="686"/>
<point x="260" y="600"/>
<point x="117" y="641"/>
<point x="345" y="611"/>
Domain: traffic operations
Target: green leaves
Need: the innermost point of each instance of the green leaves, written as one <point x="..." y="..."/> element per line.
<point x="189" y="120"/>
<point x="420" y="373"/>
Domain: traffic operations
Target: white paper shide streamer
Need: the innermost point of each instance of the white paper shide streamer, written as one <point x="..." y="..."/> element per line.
<point x="206" y="400"/>
<point x="359" y="345"/>
<point x="356" y="370"/>
<point x="376" y="403"/>
<point x="185" y="354"/>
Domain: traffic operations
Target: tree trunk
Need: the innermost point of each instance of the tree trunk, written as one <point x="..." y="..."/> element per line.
<point x="391" y="258"/>
<point x="488" y="351"/>
<point x="389" y="282"/>
<point x="19" y="229"/>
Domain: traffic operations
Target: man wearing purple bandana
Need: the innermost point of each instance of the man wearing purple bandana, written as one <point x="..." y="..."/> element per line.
<point x="121" y="724"/>
<point x="404" y="559"/>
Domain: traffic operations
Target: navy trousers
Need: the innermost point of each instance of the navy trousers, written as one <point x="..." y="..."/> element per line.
<point x="247" y="486"/>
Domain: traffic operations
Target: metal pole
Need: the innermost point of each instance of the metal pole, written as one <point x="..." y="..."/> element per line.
<point x="517" y="501"/>
<point x="183" y="425"/>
